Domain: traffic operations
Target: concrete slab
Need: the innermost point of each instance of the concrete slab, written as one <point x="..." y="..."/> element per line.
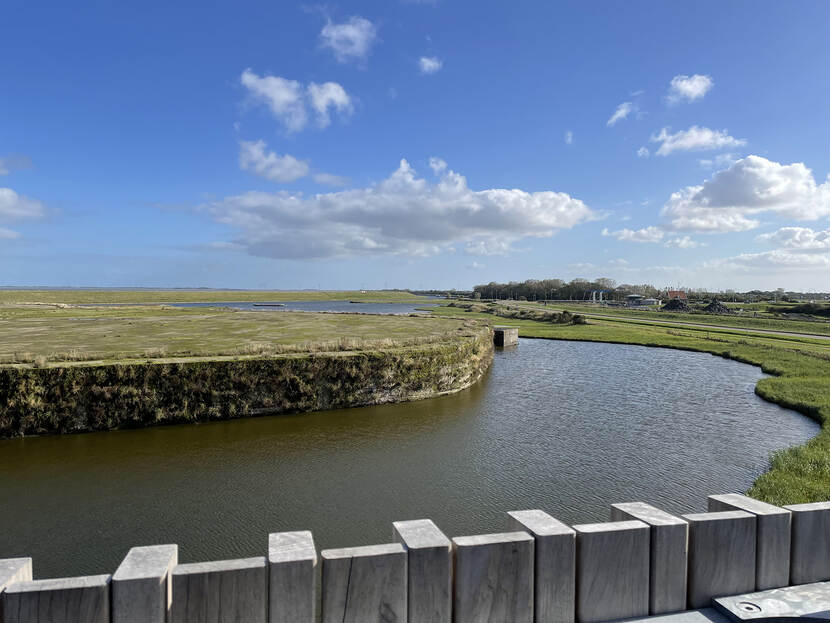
<point x="554" y="572"/>
<point x="810" y="545"/>
<point x="142" y="585"/>
<point x="804" y="601"/>
<point x="721" y="555"/>
<point x="292" y="566"/>
<point x="224" y="591"/>
<point x="772" y="546"/>
<point x="64" y="600"/>
<point x="704" y="615"/>
<point x="493" y="578"/>
<point x="365" y="584"/>
<point x="612" y="570"/>
<point x="668" y="557"/>
<point x="429" y="560"/>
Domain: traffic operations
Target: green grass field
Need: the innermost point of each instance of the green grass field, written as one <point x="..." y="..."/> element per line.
<point x="201" y="296"/>
<point x="764" y="321"/>
<point x="48" y="335"/>
<point x="801" y="381"/>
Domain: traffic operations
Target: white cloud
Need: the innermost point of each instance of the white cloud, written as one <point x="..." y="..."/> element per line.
<point x="283" y="97"/>
<point x="438" y="165"/>
<point x="646" y="234"/>
<point x="694" y="139"/>
<point x="623" y="110"/>
<point x="689" y="88"/>
<point x="288" y="99"/>
<point x="801" y="238"/>
<point x="777" y="261"/>
<point x="15" y="208"/>
<point x="569" y="137"/>
<point x="430" y="64"/>
<point x="401" y="215"/>
<point x="331" y="180"/>
<point x="682" y="243"/>
<point x="732" y="199"/>
<point x="329" y="95"/>
<point x="476" y="266"/>
<point x="272" y="166"/>
<point x="643" y="152"/>
<point x="350" y="41"/>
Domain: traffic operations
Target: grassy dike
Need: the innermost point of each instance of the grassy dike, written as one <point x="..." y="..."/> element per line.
<point x="101" y="369"/>
<point x="801" y="381"/>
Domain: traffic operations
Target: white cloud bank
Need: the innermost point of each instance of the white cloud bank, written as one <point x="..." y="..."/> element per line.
<point x="623" y="110"/>
<point x="430" y="64"/>
<point x="288" y="100"/>
<point x="401" y="215"/>
<point x="694" y="139"/>
<point x="801" y="238"/>
<point x="732" y="199"/>
<point x="350" y="41"/>
<point x="689" y="88"/>
<point x="646" y="234"/>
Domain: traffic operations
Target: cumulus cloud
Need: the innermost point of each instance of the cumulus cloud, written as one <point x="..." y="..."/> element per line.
<point x="288" y="100"/>
<point x="329" y="95"/>
<point x="801" y="238"/>
<point x="689" y="88"/>
<point x="15" y="208"/>
<point x="643" y="152"/>
<point x="438" y="165"/>
<point x="623" y="110"/>
<point x="732" y="199"/>
<point x="430" y="64"/>
<point x="401" y="215"/>
<point x="283" y="97"/>
<point x="694" y="139"/>
<point x="646" y="234"/>
<point x="569" y="137"/>
<point x="350" y="41"/>
<point x="270" y="165"/>
<point x="682" y="243"/>
<point x="718" y="162"/>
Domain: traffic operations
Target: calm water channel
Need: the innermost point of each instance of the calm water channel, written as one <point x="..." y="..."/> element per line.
<point x="563" y="426"/>
<point x="323" y="306"/>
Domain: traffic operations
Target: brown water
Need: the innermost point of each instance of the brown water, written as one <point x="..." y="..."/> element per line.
<point x="563" y="426"/>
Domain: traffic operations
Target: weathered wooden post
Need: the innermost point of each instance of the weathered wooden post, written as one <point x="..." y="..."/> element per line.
<point x="292" y="566"/>
<point x="554" y="572"/>
<point x="810" y="554"/>
<point x="668" y="554"/>
<point x="364" y="584"/>
<point x="493" y="578"/>
<point x="223" y="591"/>
<point x="429" y="564"/>
<point x="85" y="598"/>
<point x="721" y="555"/>
<point x="612" y="562"/>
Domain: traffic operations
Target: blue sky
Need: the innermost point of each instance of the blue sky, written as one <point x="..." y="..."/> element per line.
<point x="414" y="144"/>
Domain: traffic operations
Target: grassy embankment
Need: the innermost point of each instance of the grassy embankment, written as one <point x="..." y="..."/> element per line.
<point x="801" y="381"/>
<point x="65" y="369"/>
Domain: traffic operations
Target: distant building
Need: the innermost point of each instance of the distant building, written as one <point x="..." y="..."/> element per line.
<point x="634" y="300"/>
<point x="650" y="302"/>
<point x="676" y="294"/>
